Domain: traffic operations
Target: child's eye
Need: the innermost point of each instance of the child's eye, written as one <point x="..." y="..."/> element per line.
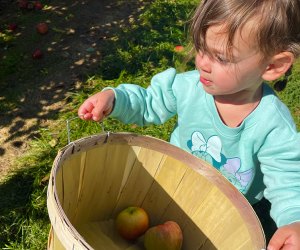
<point x="221" y="59"/>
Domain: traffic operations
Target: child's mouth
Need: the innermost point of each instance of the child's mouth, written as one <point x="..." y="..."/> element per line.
<point x="205" y="82"/>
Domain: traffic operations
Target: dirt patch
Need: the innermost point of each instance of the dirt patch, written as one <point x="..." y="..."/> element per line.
<point x="72" y="52"/>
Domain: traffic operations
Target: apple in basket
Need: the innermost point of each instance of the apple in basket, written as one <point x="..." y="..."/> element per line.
<point x="132" y="222"/>
<point x="167" y="236"/>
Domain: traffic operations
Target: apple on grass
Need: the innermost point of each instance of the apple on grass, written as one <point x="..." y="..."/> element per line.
<point x="37" y="54"/>
<point x="178" y="48"/>
<point x="132" y="222"/>
<point x="42" y="28"/>
<point x="12" y="26"/>
<point x="167" y="236"/>
<point x="38" y="5"/>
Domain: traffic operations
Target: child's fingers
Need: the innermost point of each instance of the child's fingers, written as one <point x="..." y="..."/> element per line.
<point x="277" y="240"/>
<point x="87" y="106"/>
<point x="85" y="111"/>
<point x="87" y="116"/>
<point x="286" y="238"/>
<point x="98" y="113"/>
<point x="97" y="106"/>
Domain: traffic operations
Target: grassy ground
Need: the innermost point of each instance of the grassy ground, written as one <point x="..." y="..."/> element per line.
<point x="133" y="55"/>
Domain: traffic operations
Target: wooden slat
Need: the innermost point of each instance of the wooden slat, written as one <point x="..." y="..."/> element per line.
<point x="68" y="177"/>
<point x="217" y="217"/>
<point x="101" y="182"/>
<point x="53" y="241"/>
<point x="140" y="179"/>
<point x="167" y="178"/>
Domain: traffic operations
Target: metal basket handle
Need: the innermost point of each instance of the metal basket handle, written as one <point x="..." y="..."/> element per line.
<point x="68" y="121"/>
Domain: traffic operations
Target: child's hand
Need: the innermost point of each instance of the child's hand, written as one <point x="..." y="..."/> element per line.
<point x="286" y="238"/>
<point x="97" y="106"/>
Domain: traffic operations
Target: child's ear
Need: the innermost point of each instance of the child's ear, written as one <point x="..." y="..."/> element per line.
<point x="279" y="64"/>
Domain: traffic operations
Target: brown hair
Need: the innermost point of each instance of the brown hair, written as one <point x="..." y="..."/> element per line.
<point x="277" y="29"/>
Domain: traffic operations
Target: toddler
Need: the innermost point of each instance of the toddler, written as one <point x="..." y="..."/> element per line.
<point x="227" y="114"/>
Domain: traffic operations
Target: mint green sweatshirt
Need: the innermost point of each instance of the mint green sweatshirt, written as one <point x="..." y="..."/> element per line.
<point x="261" y="157"/>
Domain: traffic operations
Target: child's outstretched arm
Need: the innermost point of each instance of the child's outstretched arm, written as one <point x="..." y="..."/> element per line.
<point x="97" y="106"/>
<point x="286" y="238"/>
<point x="134" y="104"/>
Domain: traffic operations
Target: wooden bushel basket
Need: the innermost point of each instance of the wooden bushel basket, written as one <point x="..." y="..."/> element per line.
<point x="94" y="178"/>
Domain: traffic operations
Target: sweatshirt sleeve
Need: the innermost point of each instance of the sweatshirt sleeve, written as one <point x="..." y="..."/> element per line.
<point x="154" y="105"/>
<point x="280" y="164"/>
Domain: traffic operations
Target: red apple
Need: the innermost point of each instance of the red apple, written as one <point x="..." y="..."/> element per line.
<point x="42" y="28"/>
<point x="178" y="48"/>
<point x="37" y="54"/>
<point x="167" y="236"/>
<point x="132" y="222"/>
<point x="38" y="5"/>
<point x="12" y="26"/>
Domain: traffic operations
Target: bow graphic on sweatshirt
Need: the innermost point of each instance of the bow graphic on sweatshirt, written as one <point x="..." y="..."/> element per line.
<point x="240" y="179"/>
<point x="212" y="146"/>
<point x="231" y="168"/>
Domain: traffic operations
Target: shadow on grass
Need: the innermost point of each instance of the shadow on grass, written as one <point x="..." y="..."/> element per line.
<point x="85" y="38"/>
<point x="23" y="212"/>
<point x="24" y="221"/>
<point x="34" y="92"/>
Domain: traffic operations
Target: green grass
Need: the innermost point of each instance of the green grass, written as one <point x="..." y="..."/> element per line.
<point x="291" y="95"/>
<point x="133" y="55"/>
<point x="23" y="212"/>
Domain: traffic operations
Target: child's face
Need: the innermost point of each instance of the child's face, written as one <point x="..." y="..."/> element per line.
<point x="221" y="76"/>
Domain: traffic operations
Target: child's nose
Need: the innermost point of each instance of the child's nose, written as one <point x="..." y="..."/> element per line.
<point x="204" y="62"/>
